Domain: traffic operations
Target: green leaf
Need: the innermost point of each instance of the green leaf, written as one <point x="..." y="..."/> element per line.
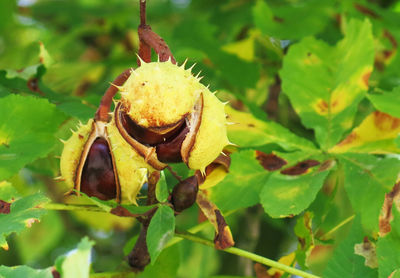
<point x="325" y="83"/>
<point x="227" y="67"/>
<point x="241" y="186"/>
<point x="35" y="243"/>
<point x="107" y="206"/>
<point x="286" y="195"/>
<point x="24" y="271"/>
<point x="7" y="191"/>
<point x="388" y="247"/>
<point x="26" y="131"/>
<point x="160" y="231"/>
<point x="344" y="262"/>
<point x="367" y="179"/>
<point x="77" y="262"/>
<point x="23" y="213"/>
<point x="247" y="131"/>
<point x="166" y="266"/>
<point x="388" y="102"/>
<point x="282" y="21"/>
<point x="162" y="188"/>
<point x="76" y="108"/>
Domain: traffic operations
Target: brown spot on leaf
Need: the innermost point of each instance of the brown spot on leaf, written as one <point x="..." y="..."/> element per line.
<point x="223" y="238"/>
<point x="365" y="78"/>
<point x="385" y="122"/>
<point x="80" y="136"/>
<point x="326" y="165"/>
<point x="367" y="249"/>
<point x="251" y="125"/>
<point x="33" y="85"/>
<point x="201" y="217"/>
<point x="278" y="19"/>
<point x="261" y="272"/>
<point x="391" y="38"/>
<point x="350" y="138"/>
<point x="4" y="207"/>
<point x="121" y="211"/>
<point x="30" y="221"/>
<point x="386" y="216"/>
<point x="55" y="273"/>
<point x="322" y="106"/>
<point x="366" y="11"/>
<point x="300" y="168"/>
<point x="270" y="162"/>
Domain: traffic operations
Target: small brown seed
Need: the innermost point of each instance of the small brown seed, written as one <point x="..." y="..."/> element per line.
<point x="184" y="194"/>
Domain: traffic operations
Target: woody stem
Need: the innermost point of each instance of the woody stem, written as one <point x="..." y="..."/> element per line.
<point x="106" y="100"/>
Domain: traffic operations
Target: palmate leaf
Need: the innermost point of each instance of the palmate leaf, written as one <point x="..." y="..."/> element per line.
<point x="367" y="179"/>
<point x="376" y="134"/>
<point x="26" y="131"/>
<point x="251" y="178"/>
<point x="23" y="212"/>
<point x="344" y="262"/>
<point x="325" y="83"/>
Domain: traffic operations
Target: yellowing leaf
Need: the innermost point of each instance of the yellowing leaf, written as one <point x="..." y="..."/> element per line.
<point x="244" y="49"/>
<point x="342" y="97"/>
<point x="216" y="176"/>
<point x="375" y="134"/>
<point x="247" y="131"/>
<point x="325" y="83"/>
<point x="223" y="236"/>
<point x="286" y="260"/>
<point x="44" y="56"/>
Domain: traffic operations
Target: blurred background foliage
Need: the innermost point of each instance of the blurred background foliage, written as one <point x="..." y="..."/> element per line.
<point x="69" y="50"/>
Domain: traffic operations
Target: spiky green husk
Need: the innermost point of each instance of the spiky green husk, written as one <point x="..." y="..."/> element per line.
<point x="72" y="151"/>
<point x="211" y="137"/>
<point x="160" y="94"/>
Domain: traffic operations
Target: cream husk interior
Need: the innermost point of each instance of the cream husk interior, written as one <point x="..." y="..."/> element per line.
<point x="132" y="170"/>
<point x="72" y="151"/>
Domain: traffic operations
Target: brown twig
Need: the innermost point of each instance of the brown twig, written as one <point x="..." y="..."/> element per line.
<point x="149" y="38"/>
<point x="142" y="12"/>
<point x="106" y="100"/>
<point x="179" y="178"/>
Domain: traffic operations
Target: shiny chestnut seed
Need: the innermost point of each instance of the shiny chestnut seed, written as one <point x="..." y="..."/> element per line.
<point x="170" y="150"/>
<point x="98" y="178"/>
<point x="147" y="135"/>
<point x="184" y="194"/>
